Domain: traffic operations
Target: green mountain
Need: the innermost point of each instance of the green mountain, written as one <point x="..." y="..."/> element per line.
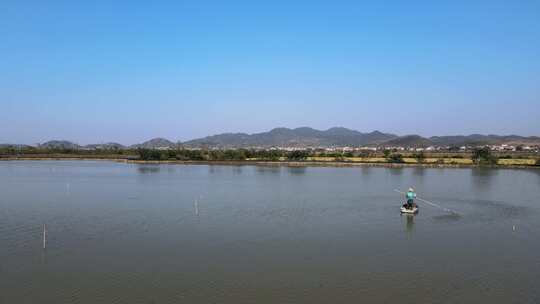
<point x="156" y="143"/>
<point x="105" y="146"/>
<point x="299" y="137"/>
<point x="59" y="144"/>
<point x="415" y="141"/>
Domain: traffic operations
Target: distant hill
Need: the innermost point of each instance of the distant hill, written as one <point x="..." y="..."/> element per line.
<point x="478" y="139"/>
<point x="156" y="143"/>
<point x="59" y="144"/>
<point x="105" y="146"/>
<point x="14" y="146"/>
<point x="408" y="141"/>
<point x="299" y="137"/>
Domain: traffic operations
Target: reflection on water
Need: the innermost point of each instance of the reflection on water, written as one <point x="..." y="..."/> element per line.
<point x="536" y="172"/>
<point x="365" y="174"/>
<point x="395" y="170"/>
<point x="144" y="169"/>
<point x="268" y="169"/>
<point x="366" y="170"/>
<point x="483" y="177"/>
<point x="43" y="257"/>
<point x="171" y="169"/>
<point x="296" y="170"/>
<point x="237" y="169"/>
<point x="418" y="171"/>
<point x="409" y="222"/>
<point x="213" y="169"/>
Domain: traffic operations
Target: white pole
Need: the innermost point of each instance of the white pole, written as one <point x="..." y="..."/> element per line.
<point x="44" y="237"/>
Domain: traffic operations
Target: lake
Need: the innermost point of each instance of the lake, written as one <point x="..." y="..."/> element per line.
<point x="130" y="233"/>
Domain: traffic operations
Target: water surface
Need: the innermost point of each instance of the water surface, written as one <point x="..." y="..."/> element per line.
<point x="127" y="233"/>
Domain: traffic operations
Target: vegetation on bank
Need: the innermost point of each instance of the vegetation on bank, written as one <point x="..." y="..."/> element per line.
<point x="483" y="156"/>
<point x="222" y="155"/>
<point x="477" y="157"/>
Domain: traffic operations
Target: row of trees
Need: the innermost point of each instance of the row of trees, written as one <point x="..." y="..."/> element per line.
<point x="267" y="155"/>
<point x="481" y="156"/>
<point x="244" y="154"/>
<point x="222" y="155"/>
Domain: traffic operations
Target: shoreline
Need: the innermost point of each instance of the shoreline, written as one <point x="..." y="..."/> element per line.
<point x="307" y="163"/>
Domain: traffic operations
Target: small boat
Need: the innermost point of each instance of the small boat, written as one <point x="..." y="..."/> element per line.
<point x="406" y="210"/>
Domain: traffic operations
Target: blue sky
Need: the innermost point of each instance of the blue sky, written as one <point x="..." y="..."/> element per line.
<point x="97" y="71"/>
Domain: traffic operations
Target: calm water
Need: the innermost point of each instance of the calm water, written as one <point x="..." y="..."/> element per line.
<point x="121" y="233"/>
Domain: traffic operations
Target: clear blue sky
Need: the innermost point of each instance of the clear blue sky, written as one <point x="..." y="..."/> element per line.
<point x="97" y="71"/>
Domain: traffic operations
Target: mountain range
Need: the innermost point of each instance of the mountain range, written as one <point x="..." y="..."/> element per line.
<point x="293" y="137"/>
<point x="339" y="136"/>
<point x="308" y="137"/>
<point x="154" y="143"/>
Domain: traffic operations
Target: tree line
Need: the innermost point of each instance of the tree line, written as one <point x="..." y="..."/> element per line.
<point x="221" y="155"/>
<point x="480" y="156"/>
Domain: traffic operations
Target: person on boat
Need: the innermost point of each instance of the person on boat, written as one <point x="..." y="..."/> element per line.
<point x="411" y="195"/>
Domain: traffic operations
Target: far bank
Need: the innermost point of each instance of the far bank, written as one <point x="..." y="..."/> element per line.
<point x="309" y="162"/>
